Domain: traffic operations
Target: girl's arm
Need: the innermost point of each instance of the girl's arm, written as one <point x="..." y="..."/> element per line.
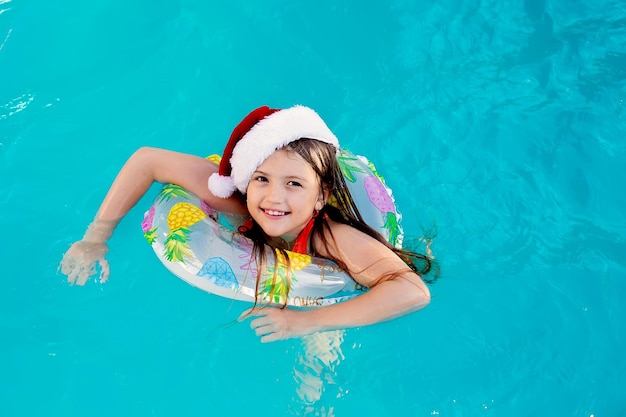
<point x="142" y="169"/>
<point x="148" y="165"/>
<point x="395" y="290"/>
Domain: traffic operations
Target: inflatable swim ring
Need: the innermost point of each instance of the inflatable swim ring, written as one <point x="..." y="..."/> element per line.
<point x="196" y="244"/>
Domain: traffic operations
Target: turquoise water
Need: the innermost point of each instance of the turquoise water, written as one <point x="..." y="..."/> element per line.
<point x="499" y="125"/>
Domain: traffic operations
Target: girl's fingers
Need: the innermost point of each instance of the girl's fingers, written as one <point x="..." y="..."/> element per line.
<point x="263" y="325"/>
<point x="254" y="312"/>
<point x="263" y="331"/>
<point x="104" y="270"/>
<point x="270" y="338"/>
<point x="244" y="315"/>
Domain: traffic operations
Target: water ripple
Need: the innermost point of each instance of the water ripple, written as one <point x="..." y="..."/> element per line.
<point x="16" y="105"/>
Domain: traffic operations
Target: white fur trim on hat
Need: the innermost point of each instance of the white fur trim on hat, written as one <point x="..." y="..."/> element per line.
<point x="272" y="133"/>
<point x="221" y="186"/>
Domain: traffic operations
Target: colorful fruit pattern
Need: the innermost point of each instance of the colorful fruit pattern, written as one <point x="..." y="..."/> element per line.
<point x="281" y="277"/>
<point x="353" y="170"/>
<point x="181" y="216"/>
<point x="149" y="232"/>
<point x="220" y="272"/>
<point x="348" y="164"/>
<point x="379" y="197"/>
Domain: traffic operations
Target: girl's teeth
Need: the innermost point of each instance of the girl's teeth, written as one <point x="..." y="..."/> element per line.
<point x="275" y="213"/>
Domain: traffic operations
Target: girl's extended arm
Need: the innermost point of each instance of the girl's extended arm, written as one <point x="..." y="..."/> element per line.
<point x="395" y="290"/>
<point x="142" y="169"/>
<point x="148" y="165"/>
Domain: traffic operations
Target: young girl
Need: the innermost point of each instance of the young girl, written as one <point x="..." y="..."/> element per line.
<point x="278" y="173"/>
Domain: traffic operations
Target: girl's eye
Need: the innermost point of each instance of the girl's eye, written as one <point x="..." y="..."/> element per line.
<point x="260" y="178"/>
<point x="294" y="184"/>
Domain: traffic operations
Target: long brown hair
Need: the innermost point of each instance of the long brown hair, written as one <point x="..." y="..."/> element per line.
<point x="323" y="159"/>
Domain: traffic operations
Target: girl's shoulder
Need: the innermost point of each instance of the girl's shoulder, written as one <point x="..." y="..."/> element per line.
<point x="345" y="242"/>
<point x="367" y="260"/>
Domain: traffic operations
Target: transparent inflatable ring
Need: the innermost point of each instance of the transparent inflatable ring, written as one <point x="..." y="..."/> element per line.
<point x="196" y="245"/>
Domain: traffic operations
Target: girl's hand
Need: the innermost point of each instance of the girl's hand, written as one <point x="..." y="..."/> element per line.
<point x="272" y="324"/>
<point x="80" y="261"/>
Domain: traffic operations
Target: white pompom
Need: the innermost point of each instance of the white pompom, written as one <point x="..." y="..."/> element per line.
<point x="221" y="186"/>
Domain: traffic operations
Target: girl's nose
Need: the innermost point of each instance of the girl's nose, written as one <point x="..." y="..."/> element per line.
<point x="275" y="193"/>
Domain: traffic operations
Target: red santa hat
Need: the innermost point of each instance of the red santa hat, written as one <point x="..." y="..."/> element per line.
<point x="257" y="136"/>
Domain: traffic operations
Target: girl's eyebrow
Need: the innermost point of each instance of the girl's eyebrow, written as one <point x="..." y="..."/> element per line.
<point x="288" y="177"/>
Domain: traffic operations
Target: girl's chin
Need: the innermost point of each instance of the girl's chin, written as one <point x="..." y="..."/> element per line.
<point x="288" y="237"/>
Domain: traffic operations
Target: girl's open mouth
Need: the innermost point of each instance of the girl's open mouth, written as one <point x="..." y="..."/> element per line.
<point x="274" y="212"/>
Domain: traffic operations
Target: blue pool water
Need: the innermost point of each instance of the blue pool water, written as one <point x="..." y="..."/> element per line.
<point x="499" y="125"/>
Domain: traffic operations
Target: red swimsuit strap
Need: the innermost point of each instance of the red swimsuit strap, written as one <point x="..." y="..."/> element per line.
<point x="302" y="241"/>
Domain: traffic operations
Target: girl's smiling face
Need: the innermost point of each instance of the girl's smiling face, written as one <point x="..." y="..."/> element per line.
<point x="283" y="194"/>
